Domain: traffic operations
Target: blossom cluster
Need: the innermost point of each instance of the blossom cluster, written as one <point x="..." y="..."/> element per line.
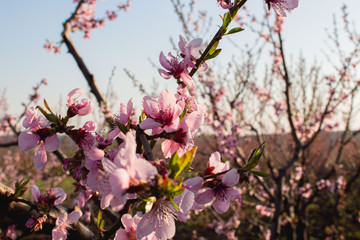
<point x="126" y="172"/>
<point x="119" y="167"/>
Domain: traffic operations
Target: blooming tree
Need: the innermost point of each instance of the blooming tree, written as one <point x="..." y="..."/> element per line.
<point x="145" y="195"/>
<point x="294" y="109"/>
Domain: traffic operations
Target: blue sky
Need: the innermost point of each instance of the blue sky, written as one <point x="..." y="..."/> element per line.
<point x="128" y="42"/>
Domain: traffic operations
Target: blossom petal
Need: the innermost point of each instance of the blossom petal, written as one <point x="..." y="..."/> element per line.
<point x="167" y="101"/>
<point x="59" y="234"/>
<point x="221" y="205"/>
<point x="164" y="73"/>
<point x="165" y="229"/>
<point x="193" y="121"/>
<point x="146" y="225"/>
<point x="194" y="184"/>
<point x="144" y="170"/>
<point x="74" y="95"/>
<point x="186" y="201"/>
<point x="108" y="165"/>
<point x="169" y="147"/>
<point x="40" y="157"/>
<point x="127" y="221"/>
<point x="52" y="143"/>
<point x="35" y="191"/>
<point x="151" y="106"/>
<point x="118" y="203"/>
<point x="90" y="126"/>
<point x="61" y="219"/>
<point x="60" y="195"/>
<point x="105" y="200"/>
<point x="231" y="178"/>
<point x="73" y="217"/>
<point x="121" y="234"/>
<point x="95" y="153"/>
<point x="28" y="140"/>
<point x="187" y="79"/>
<point x="232" y="194"/>
<point x="164" y="62"/>
<point x="175" y="124"/>
<point x="119" y="181"/>
<point x="205" y="197"/>
<point x="149" y="123"/>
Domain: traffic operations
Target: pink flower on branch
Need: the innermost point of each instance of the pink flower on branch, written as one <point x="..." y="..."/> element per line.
<point x="128" y="169"/>
<point x="162" y="113"/>
<point x="215" y="165"/>
<point x="225" y="4"/>
<point x="62" y="223"/>
<point x="130" y="225"/>
<point x="161" y="218"/>
<point x="76" y="107"/>
<point x="190" y="52"/>
<point x="54" y="196"/>
<point x="175" y="68"/>
<point x="222" y="192"/>
<point x="38" y="133"/>
<point x="182" y="140"/>
<point x="280" y="5"/>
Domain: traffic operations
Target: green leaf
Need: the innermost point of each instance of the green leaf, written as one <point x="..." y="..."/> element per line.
<point x="49" y="116"/>
<point x="20" y="187"/>
<point x="179" y="165"/>
<point x="258" y="173"/>
<point x="227" y="21"/>
<point x="235" y="30"/>
<point x="182" y="115"/>
<point x="99" y="219"/>
<point x="213" y="48"/>
<point x="102" y="223"/>
<point x="210" y="56"/>
<point x="122" y="127"/>
<point x="254" y="158"/>
<point x="174" y="204"/>
<point x="47" y="106"/>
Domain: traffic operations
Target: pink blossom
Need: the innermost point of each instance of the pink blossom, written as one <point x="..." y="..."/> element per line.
<point x="182" y="140"/>
<point x="62" y="223"/>
<point x="83" y="197"/>
<point x="11" y="232"/>
<point x="176" y="68"/>
<point x="184" y="201"/>
<point x="28" y="140"/>
<point x="305" y="191"/>
<point x="225" y="4"/>
<point x="162" y="113"/>
<point x="298" y="173"/>
<point x="90" y="126"/>
<point x="87" y="142"/>
<point x="126" y="6"/>
<point x="191" y="51"/>
<point x="222" y="192"/>
<point x="194" y="184"/>
<point x="125" y="112"/>
<point x="280" y="5"/>
<point x="129" y="230"/>
<point x="31" y="119"/>
<point x="215" y="165"/>
<point x="77" y="107"/>
<point x="54" y="196"/>
<point x="111" y="15"/>
<point x="161" y="218"/>
<point x="127" y="169"/>
<point x="264" y="210"/>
